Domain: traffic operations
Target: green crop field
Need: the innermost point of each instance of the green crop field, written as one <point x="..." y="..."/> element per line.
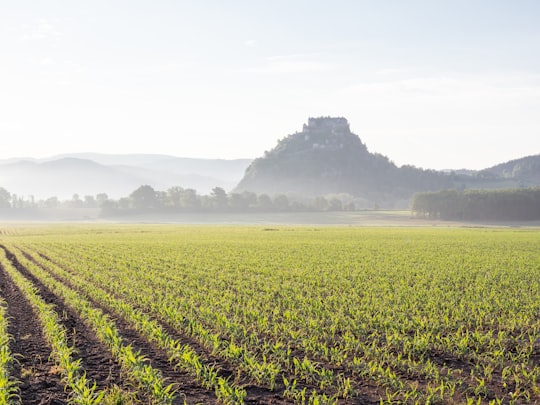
<point x="308" y="315"/>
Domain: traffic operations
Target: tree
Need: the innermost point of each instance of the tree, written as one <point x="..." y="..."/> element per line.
<point x="52" y="202"/>
<point x="5" y="198"/>
<point x="335" y="204"/>
<point x="242" y="201"/>
<point x="101" y="199"/>
<point x="320" y="203"/>
<point x="108" y="207"/>
<point x="144" y="197"/>
<point x="264" y="202"/>
<point x="190" y="200"/>
<point x="124" y="203"/>
<point x="510" y="204"/>
<point x="219" y="198"/>
<point x="281" y="202"/>
<point x="75" y="201"/>
<point x="175" y="196"/>
<point x="162" y="199"/>
<point x="89" y="201"/>
<point x="250" y="198"/>
<point x="16" y="201"/>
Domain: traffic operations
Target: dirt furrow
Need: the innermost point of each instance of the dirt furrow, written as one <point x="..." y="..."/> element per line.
<point x="190" y="390"/>
<point x="40" y="378"/>
<point x="366" y="392"/>
<point x="96" y="360"/>
<point x="256" y="394"/>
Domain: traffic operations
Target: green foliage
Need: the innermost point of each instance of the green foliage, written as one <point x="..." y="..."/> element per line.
<point x="509" y="204"/>
<point x="9" y="387"/>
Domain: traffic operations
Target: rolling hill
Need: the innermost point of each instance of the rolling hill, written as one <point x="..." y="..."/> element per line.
<point x="116" y="175"/>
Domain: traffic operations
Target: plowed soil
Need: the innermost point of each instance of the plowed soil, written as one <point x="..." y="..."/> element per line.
<point x="190" y="389"/>
<point x="40" y="378"/>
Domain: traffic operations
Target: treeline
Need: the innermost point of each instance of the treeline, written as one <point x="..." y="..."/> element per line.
<point x="13" y="201"/>
<point x="178" y="199"/>
<point x="521" y="204"/>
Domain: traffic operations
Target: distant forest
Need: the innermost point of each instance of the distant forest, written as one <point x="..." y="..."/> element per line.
<point x="521" y="204"/>
<point x="178" y="199"/>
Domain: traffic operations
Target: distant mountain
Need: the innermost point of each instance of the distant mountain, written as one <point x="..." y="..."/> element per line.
<point x="327" y="158"/>
<point x="324" y="158"/>
<point x="117" y="175"/>
<point x="525" y="170"/>
<point x="223" y="169"/>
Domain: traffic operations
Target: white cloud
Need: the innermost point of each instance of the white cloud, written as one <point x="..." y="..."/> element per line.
<point x="250" y="42"/>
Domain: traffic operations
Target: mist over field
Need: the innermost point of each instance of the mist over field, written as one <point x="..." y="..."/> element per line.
<point x="274" y="107"/>
<point x="115" y="175"/>
<point x="325" y="168"/>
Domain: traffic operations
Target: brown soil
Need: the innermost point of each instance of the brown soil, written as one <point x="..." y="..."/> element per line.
<point x="40" y="380"/>
<point x="188" y="389"/>
<point x="191" y="389"/>
<point x="96" y="361"/>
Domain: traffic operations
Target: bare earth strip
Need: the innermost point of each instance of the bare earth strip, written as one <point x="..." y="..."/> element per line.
<point x="191" y="391"/>
<point x="96" y="360"/>
<point x="367" y="393"/>
<point x="39" y="377"/>
<point x="256" y="394"/>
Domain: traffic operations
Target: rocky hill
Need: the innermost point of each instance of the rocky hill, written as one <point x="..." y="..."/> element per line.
<point x="327" y="158"/>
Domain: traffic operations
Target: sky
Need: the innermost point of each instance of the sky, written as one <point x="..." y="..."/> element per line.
<point x="435" y="84"/>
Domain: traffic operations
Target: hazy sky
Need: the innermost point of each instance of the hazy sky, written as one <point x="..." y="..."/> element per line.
<point x="437" y="84"/>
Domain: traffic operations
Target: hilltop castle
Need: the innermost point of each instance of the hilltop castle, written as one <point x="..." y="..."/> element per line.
<point x="333" y="125"/>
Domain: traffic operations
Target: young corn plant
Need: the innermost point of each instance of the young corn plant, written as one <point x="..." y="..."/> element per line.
<point x="9" y="387"/>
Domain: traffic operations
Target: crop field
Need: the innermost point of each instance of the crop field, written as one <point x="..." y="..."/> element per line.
<point x="167" y="314"/>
